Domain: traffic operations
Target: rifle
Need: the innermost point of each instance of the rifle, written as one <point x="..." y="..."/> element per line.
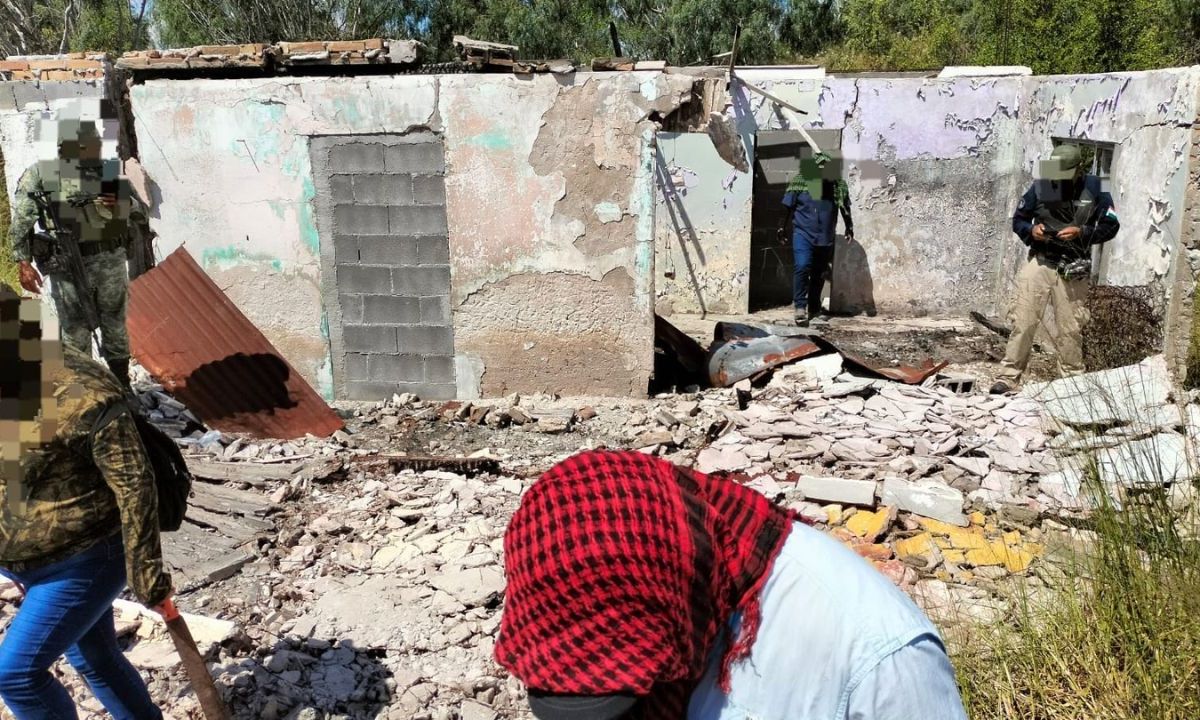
<point x="59" y="254"/>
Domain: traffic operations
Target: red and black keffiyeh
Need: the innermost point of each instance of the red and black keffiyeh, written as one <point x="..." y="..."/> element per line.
<point x="622" y="571"/>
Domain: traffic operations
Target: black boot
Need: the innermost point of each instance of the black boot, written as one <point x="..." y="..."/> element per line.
<point x="120" y="368"/>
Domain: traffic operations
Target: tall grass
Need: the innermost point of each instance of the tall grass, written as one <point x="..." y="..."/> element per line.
<point x="8" y="269"/>
<point x="1117" y="637"/>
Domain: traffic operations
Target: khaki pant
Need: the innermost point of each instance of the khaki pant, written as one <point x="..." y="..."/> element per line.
<point x="1040" y="284"/>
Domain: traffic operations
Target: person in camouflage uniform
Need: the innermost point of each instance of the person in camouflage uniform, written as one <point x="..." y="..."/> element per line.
<point x="78" y="517"/>
<point x="101" y="211"/>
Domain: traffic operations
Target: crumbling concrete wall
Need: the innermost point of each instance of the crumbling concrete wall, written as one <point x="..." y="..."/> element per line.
<point x="931" y="173"/>
<point x="1149" y="115"/>
<point x="937" y="165"/>
<point x="702" y="239"/>
<point x="549" y="203"/>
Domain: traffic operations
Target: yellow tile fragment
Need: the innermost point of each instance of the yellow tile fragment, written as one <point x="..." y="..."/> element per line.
<point x="1017" y="560"/>
<point x="955" y="556"/>
<point x="976" y="518"/>
<point x="968" y="539"/>
<point x="984" y="557"/>
<point x="1012" y="537"/>
<point x="937" y="527"/>
<point x="834" y="514"/>
<point x="920" y="549"/>
<point x="943" y="543"/>
<point x="870" y="525"/>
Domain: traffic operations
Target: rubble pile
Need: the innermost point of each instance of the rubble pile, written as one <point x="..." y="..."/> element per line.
<point x="377" y="594"/>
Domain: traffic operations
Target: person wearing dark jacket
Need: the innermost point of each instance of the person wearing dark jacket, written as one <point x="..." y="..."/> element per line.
<point x="813" y="200"/>
<point x="78" y="519"/>
<point x="1060" y="218"/>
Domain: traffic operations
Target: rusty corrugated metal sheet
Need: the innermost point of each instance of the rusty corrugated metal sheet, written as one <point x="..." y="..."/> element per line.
<point x="195" y="341"/>
<point x="737" y="360"/>
<point x="742" y="350"/>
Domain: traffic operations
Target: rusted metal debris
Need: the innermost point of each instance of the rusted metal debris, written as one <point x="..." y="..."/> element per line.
<point x="747" y="358"/>
<point x="742" y="351"/>
<point x="194" y="340"/>
<point x="424" y="463"/>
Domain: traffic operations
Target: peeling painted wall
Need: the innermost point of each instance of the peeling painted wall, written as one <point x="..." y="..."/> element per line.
<point x="702" y="248"/>
<point x="936" y="167"/>
<point x="549" y="190"/>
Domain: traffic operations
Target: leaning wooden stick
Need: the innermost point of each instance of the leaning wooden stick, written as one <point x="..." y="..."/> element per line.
<point x="202" y="682"/>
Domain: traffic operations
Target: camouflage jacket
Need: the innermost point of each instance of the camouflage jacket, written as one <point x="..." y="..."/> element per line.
<point x="91" y="221"/>
<point x="71" y="490"/>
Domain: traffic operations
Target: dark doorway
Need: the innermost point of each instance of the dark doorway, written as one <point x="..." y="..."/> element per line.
<point x="777" y="155"/>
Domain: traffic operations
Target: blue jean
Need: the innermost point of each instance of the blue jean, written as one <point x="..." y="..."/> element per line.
<point x="68" y="609"/>
<point x="812" y="262"/>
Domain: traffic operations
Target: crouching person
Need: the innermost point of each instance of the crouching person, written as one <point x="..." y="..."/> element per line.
<point x="638" y="589"/>
<point x="78" y="519"/>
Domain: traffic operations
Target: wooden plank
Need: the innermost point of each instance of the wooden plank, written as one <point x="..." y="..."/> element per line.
<point x="239" y="529"/>
<point x="221" y="499"/>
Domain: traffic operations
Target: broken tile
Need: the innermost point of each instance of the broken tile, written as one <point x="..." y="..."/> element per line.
<point x="837" y="490"/>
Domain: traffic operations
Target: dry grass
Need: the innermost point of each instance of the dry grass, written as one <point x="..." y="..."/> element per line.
<point x="1119" y="637"/>
<point x="8" y="269"/>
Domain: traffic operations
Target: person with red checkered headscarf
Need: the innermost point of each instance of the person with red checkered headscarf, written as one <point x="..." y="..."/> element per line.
<point x="640" y="590"/>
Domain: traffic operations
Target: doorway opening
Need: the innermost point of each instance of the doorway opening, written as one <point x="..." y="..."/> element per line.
<point x="777" y="155"/>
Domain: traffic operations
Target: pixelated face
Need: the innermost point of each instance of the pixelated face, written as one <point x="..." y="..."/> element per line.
<point x="79" y="141"/>
<point x="27" y="358"/>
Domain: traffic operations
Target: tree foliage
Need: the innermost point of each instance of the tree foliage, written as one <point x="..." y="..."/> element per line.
<point x="1051" y="36"/>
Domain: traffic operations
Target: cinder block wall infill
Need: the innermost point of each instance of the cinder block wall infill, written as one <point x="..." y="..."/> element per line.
<point x="386" y="216"/>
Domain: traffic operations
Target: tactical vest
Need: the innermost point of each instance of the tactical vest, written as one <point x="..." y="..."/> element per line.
<point x="1059" y="213"/>
<point x="74" y="189"/>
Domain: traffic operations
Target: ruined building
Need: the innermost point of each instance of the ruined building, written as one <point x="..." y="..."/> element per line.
<point x="396" y="227"/>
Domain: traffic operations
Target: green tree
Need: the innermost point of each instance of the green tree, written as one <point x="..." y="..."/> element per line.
<point x="185" y="23"/>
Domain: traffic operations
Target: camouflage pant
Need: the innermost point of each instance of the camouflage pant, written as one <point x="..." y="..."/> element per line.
<point x="109" y="278"/>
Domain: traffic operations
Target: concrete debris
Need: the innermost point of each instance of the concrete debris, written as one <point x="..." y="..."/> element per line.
<point x="371" y="563"/>
<point x="1121" y="396"/>
<point x="928" y="498"/>
<point x="837" y="490"/>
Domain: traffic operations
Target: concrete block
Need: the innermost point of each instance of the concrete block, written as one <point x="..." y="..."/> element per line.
<point x="364" y="280"/>
<point x="369" y="339"/>
<point x="345" y="249"/>
<point x="435" y="310"/>
<point x="352" y="309"/>
<point x="356" y="367"/>
<point x="391" y="310"/>
<point x="369" y="391"/>
<point x="355" y="157"/>
<point x="397" y="368"/>
<point x="416" y="159"/>
<point x="426" y="340"/>
<point x="383" y="189"/>
<point x="418" y="220"/>
<point x="927" y="498"/>
<point x="432" y="391"/>
<point x="433" y="250"/>
<point x="439" y="370"/>
<point x="360" y="220"/>
<point x="421" y="281"/>
<point x="342" y="189"/>
<point x="387" y="250"/>
<point x="837" y="490"/>
<point x="429" y="190"/>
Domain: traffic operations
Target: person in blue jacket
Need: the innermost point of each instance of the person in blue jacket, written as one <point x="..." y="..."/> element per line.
<point x="1060" y="218"/>
<point x="811" y="201"/>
